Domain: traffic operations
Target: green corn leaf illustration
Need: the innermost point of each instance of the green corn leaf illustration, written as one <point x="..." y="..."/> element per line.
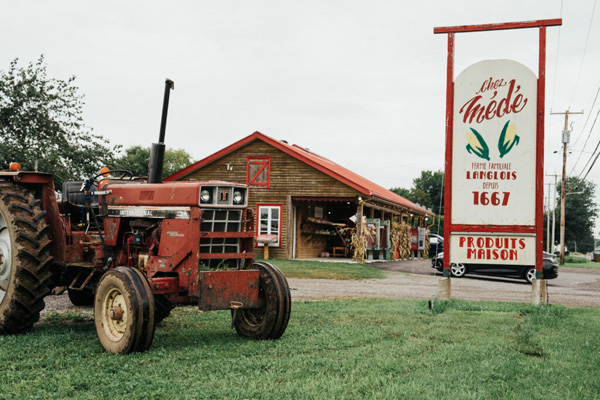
<point x="477" y="145"/>
<point x="508" y="138"/>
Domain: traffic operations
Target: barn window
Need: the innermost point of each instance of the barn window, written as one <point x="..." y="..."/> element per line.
<point x="258" y="171"/>
<point x="269" y="222"/>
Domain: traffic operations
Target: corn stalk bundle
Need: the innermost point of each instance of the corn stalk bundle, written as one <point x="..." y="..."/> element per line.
<point x="404" y="241"/>
<point x="360" y="245"/>
<point x="425" y="252"/>
<point x="395" y="234"/>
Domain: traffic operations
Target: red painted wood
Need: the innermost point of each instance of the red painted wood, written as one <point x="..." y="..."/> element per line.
<point x="493" y="229"/>
<point x="266" y="163"/>
<point x="539" y="179"/>
<point x="499" y="26"/>
<point x="449" y="133"/>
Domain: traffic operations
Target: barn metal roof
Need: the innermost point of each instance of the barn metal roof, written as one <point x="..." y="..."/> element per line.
<point x="323" y="164"/>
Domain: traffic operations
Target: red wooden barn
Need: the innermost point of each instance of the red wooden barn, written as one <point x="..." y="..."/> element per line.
<point x="304" y="200"/>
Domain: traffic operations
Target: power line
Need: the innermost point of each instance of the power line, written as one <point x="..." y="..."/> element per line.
<point x="595" y="150"/>
<point x="591" y="166"/>
<point x="584" y="50"/>
<point x="583" y="130"/>
<point x="556" y="62"/>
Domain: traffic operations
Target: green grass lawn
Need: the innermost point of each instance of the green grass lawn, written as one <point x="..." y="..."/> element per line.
<point x="326" y="270"/>
<point x="354" y="349"/>
<point x="578" y="262"/>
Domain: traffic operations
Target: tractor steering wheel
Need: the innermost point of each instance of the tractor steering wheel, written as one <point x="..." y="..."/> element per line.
<point x="123" y="173"/>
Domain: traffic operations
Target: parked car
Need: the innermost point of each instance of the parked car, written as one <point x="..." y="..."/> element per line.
<point x="527" y="272"/>
<point x="436" y="244"/>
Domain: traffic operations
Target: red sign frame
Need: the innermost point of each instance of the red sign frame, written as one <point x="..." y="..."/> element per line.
<point x="539" y="180"/>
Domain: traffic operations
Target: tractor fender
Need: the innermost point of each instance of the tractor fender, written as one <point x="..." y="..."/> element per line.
<point x="43" y="186"/>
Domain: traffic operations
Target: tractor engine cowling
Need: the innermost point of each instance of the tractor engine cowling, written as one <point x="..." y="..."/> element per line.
<point x="187" y="237"/>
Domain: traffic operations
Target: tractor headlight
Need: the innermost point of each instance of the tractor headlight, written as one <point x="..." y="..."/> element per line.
<point x="205" y="196"/>
<point x="238" y="198"/>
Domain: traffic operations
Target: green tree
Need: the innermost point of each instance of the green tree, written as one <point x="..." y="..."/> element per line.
<point x="428" y="191"/>
<point x="406" y="193"/>
<point x="580" y="215"/>
<point x="41" y="122"/>
<point x="136" y="160"/>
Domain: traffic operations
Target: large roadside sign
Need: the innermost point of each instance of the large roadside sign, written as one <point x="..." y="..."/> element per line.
<point x="494" y="162"/>
<point x="495" y="156"/>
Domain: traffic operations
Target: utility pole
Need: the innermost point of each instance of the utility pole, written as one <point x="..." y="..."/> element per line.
<point x="548" y="220"/>
<point x="565" y="139"/>
<point x="553" y="211"/>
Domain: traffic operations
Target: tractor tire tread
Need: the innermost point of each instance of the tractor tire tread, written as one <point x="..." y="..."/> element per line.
<point x="163" y="307"/>
<point x="31" y="261"/>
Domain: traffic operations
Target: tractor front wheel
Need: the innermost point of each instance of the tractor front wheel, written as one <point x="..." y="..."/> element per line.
<point x="270" y="320"/>
<point x="24" y="259"/>
<point x="124" y="311"/>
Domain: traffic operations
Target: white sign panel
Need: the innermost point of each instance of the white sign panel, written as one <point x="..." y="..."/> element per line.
<point x="494" y="145"/>
<point x="511" y="249"/>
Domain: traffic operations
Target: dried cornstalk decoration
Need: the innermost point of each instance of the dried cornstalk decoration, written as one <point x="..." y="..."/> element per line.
<point x="400" y="235"/>
<point x="404" y="248"/>
<point x="427" y="244"/>
<point x="351" y="233"/>
<point x="395" y="238"/>
<point x="360" y="246"/>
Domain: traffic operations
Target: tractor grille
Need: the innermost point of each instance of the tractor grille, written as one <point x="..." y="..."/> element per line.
<point x="222" y="220"/>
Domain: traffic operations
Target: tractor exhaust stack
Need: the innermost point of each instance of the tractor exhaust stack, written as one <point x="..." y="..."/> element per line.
<point x="157" y="152"/>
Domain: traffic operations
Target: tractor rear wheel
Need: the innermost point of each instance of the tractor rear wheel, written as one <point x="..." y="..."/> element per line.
<point x="124" y="311"/>
<point x="163" y="307"/>
<point x="270" y="320"/>
<point x="24" y="259"/>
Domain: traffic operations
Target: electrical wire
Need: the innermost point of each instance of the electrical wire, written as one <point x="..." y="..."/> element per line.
<point x="584" y="51"/>
<point x="556" y="61"/>
<point x="595" y="150"/>
<point x="583" y="130"/>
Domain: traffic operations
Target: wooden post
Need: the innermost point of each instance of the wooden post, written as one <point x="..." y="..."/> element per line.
<point x="266" y="251"/>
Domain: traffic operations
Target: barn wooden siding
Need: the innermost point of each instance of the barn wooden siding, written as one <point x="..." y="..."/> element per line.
<point x="289" y="177"/>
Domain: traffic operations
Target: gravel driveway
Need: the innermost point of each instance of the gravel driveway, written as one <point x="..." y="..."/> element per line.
<point x="416" y="279"/>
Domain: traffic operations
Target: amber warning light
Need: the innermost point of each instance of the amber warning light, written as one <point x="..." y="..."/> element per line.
<point x="15" y="166"/>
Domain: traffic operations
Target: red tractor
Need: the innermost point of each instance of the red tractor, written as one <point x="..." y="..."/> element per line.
<point x="134" y="248"/>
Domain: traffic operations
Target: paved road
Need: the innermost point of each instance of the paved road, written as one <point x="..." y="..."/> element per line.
<point x="416" y="279"/>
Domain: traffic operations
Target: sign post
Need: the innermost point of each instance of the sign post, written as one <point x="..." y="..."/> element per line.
<point x="495" y="157"/>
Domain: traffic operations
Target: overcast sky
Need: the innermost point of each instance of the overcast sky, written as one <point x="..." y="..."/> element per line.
<point x="360" y="82"/>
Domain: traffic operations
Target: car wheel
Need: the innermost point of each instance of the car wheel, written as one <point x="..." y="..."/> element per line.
<point x="458" y="270"/>
<point x="529" y="274"/>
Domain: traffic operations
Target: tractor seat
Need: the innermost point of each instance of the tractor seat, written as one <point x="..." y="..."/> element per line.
<point x="71" y="194"/>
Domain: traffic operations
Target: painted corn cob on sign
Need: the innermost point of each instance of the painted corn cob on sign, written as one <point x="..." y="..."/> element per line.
<point x="494" y="157"/>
